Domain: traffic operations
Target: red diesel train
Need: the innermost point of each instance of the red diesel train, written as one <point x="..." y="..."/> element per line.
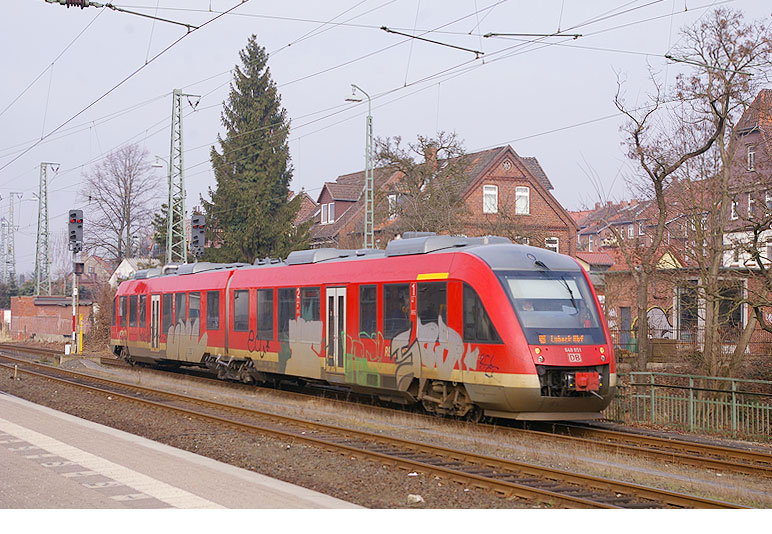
<point x="468" y="327"/>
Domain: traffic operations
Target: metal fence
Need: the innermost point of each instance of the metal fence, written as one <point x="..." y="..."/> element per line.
<point x="722" y="406"/>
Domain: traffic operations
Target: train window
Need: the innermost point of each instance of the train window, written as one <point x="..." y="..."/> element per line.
<point x="310" y="307"/>
<point x="115" y="307"/>
<point x="168" y="317"/>
<point x="285" y="312"/>
<point x="194" y="311"/>
<point x="241" y="310"/>
<point x="142" y="311"/>
<point x="265" y="314"/>
<point x="368" y="311"/>
<point x="432" y="302"/>
<point x="212" y="310"/>
<point x="123" y="311"/>
<point x="133" y="310"/>
<point x="180" y="313"/>
<point x="396" y="309"/>
<point x="477" y="324"/>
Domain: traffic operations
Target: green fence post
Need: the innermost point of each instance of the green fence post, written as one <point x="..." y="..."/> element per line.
<point x="651" y="381"/>
<point x="691" y="404"/>
<point x="734" y="407"/>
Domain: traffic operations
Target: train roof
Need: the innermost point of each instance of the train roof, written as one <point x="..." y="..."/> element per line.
<point x="498" y="252"/>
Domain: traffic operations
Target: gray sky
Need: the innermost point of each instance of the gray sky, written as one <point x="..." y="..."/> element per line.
<point x="551" y="98"/>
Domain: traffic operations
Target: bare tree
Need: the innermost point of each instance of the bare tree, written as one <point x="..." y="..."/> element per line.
<point x="122" y="193"/>
<point x="721" y="51"/>
<point x="429" y="194"/>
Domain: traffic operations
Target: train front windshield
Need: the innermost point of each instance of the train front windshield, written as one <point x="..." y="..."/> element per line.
<point x="554" y="307"/>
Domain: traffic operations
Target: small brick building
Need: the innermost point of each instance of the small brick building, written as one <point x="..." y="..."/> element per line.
<point x="46" y="318"/>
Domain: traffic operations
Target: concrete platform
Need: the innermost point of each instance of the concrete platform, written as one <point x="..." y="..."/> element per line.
<point x="50" y="459"/>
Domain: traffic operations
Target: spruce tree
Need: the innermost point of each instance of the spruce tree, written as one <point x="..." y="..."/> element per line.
<point x="250" y="213"/>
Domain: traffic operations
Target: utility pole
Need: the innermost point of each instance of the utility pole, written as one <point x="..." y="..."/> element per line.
<point x="369" y="239"/>
<point x="176" y="234"/>
<point x="4" y="250"/>
<point x="10" y="241"/>
<point x="42" y="261"/>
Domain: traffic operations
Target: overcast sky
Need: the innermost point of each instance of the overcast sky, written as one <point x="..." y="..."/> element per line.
<point x="551" y="98"/>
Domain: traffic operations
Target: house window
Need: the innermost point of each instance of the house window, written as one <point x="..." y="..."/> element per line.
<point x="630" y="231"/>
<point x="331" y="212"/>
<point x="324" y="214"/>
<point x="735" y="215"/>
<point x="522" y="240"/>
<point x="589" y="243"/>
<point x="392" y="206"/>
<point x="641" y="228"/>
<point x="522" y="201"/>
<point x="750" y="204"/>
<point x="490" y="199"/>
<point x="687" y="299"/>
<point x="768" y="199"/>
<point x="551" y="243"/>
<point x="769" y="251"/>
<point x="751" y="157"/>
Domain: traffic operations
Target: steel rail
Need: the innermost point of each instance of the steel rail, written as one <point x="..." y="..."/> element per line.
<point x="506" y="487"/>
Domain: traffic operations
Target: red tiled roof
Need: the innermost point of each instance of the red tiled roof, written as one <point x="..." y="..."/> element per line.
<point x="595" y="258"/>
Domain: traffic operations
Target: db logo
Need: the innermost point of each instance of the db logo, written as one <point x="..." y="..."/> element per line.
<point x="574" y="357"/>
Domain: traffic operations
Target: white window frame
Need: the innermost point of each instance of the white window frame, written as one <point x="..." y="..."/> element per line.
<point x="490" y="199"/>
<point x="641" y="228"/>
<point x="768" y="199"/>
<point x="552" y="243"/>
<point x="750" y="204"/>
<point x="589" y="244"/>
<point x="630" y="231"/>
<point x="522" y="192"/>
<point x="734" y="214"/>
<point x="323" y="219"/>
<point x="751" y="156"/>
<point x="392" y="206"/>
<point x="331" y="213"/>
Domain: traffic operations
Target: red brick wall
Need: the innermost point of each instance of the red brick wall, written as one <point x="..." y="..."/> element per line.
<point x="546" y="218"/>
<point x="28" y="319"/>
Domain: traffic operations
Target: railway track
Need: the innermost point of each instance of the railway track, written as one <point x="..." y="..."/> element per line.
<point x="506" y="477"/>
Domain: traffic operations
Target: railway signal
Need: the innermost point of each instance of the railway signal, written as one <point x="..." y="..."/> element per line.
<point x="75" y="227"/>
<point x="198" y="224"/>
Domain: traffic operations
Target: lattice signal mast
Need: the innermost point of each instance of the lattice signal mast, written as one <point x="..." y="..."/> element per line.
<point x="9" y="246"/>
<point x="176" y="234"/>
<point x="42" y="258"/>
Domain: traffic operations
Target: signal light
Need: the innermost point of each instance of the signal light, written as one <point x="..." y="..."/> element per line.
<point x="197" y="235"/>
<point x="75" y="230"/>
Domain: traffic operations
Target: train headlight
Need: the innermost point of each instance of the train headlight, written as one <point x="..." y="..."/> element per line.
<point x="603" y="350"/>
<point x="537" y="350"/>
<point x="541" y="359"/>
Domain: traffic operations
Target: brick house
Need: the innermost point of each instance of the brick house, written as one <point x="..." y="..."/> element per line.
<point x="504" y="195"/>
<point x="676" y="303"/>
<point x="46" y="318"/>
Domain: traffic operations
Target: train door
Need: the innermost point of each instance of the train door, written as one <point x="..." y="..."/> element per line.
<point x="336" y="329"/>
<point x="155" y="322"/>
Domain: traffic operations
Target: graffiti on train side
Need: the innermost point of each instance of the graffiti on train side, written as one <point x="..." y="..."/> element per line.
<point x="183" y="342"/>
<point x="436" y="346"/>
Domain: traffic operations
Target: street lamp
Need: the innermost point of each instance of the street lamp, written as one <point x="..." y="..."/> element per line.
<point x="368" y="236"/>
<point x="157" y="165"/>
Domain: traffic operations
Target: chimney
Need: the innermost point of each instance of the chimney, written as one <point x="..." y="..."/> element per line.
<point x="609" y="203"/>
<point x="430" y="156"/>
<point x="597" y="205"/>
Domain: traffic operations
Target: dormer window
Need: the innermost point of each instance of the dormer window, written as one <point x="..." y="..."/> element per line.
<point x="328" y="213"/>
<point x="324" y="214"/>
<point x="751" y="157"/>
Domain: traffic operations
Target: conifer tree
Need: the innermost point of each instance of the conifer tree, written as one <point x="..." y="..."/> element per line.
<point x="250" y="214"/>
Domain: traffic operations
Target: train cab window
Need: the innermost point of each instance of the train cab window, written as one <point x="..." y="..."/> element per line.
<point x="133" y="310"/>
<point x="123" y="311"/>
<point x="432" y="302"/>
<point x="180" y="313"/>
<point x="368" y="311"/>
<point x="212" y="310"/>
<point x="142" y="311"/>
<point x="194" y="311"/>
<point x="478" y="326"/>
<point x="285" y="311"/>
<point x="241" y="310"/>
<point x="310" y="306"/>
<point x="167" y="319"/>
<point x="115" y="307"/>
<point x="265" y="314"/>
<point x="396" y="309"/>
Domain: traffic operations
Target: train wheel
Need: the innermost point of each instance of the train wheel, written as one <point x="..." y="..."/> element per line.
<point x="475" y="414"/>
